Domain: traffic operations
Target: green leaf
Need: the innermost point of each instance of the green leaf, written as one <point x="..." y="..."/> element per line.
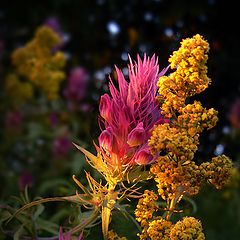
<point x="106" y="213"/>
<point x="47" y="226"/>
<point x="193" y="204"/>
<point x="5" y="215"/>
<point x="38" y="212"/>
<point x="52" y="184"/>
<point x="19" y="232"/>
<point x="107" y="207"/>
<point x="89" y="155"/>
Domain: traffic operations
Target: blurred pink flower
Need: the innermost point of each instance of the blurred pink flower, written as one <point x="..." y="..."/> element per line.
<point x="76" y="88"/>
<point x="25" y="179"/>
<point x="13" y="119"/>
<point x="54" y="24"/>
<point x="234" y="114"/>
<point x="53" y="119"/>
<point x="128" y="114"/>
<point x="68" y="236"/>
<point x="61" y="146"/>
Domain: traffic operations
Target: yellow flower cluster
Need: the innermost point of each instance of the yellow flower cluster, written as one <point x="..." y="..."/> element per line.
<point x="174" y="141"/>
<point x="144" y="211"/>
<point x="190" y="77"/>
<point x="38" y="63"/>
<point x="174" y="144"/>
<point x="159" y="229"/>
<point x="175" y="179"/>
<point x="218" y="171"/>
<point x="190" y="60"/>
<point x="113" y="236"/>
<point x="194" y="117"/>
<point x="18" y="91"/>
<point x="187" y="229"/>
<point x="146" y="207"/>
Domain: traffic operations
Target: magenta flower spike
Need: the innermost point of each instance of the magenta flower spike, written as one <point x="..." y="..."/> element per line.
<point x="76" y="88"/>
<point x="128" y="114"/>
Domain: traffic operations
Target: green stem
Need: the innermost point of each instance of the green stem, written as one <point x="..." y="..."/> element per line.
<point x="91" y="219"/>
<point x="170" y="209"/>
<point x="172" y="204"/>
<point x="107" y="207"/>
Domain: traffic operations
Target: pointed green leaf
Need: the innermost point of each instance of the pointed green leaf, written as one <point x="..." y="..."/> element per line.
<point x="95" y="161"/>
<point x="18" y="233"/>
<point x="89" y="155"/>
<point x="40" y="209"/>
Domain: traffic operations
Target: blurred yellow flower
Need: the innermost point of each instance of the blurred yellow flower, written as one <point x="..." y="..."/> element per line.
<point x="39" y="63"/>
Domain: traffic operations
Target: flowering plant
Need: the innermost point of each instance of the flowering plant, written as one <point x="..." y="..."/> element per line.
<point x="149" y="130"/>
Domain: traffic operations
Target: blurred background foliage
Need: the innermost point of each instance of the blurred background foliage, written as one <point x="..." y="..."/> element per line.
<point x="36" y="135"/>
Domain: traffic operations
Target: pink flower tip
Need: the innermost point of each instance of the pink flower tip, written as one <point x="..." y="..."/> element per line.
<point x="137" y="136"/>
<point x="143" y="157"/>
<point x="106" y="140"/>
<point x="105" y="106"/>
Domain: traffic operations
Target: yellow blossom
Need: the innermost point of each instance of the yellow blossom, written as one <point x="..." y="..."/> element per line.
<point x="218" y="171"/>
<point x="18" y="91"/>
<point x="175" y="178"/>
<point x="195" y="118"/>
<point x="146" y="207"/>
<point x="159" y="229"/>
<point x="190" y="76"/>
<point x="173" y="140"/>
<point x="39" y="64"/>
<point x="187" y="229"/>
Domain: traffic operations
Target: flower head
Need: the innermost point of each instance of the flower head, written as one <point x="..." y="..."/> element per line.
<point x="25" y="179"/>
<point x="61" y="146"/>
<point x="76" y="88"/>
<point x="128" y="114"/>
<point x="188" y="228"/>
<point x="39" y="65"/>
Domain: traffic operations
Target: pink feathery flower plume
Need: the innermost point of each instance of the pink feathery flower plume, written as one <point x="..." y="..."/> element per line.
<point x="129" y="113"/>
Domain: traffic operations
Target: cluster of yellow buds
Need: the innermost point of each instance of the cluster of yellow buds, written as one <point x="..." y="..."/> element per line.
<point x="146" y="207"/>
<point x="18" y="91"/>
<point x="144" y="211"/>
<point x="194" y="117"/>
<point x="158" y="228"/>
<point x="190" y="77"/>
<point x="175" y="143"/>
<point x="188" y="228"/>
<point x="218" y="171"/>
<point x="175" y="179"/>
<point x="39" y="63"/>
